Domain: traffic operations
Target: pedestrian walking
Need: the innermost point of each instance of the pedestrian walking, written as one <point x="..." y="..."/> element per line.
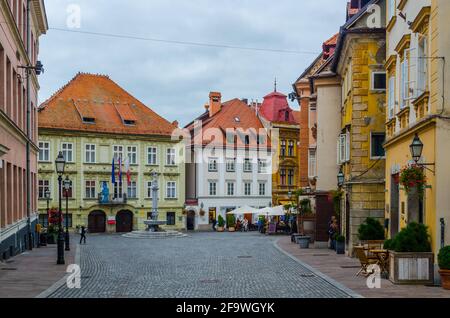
<point x="214" y="223"/>
<point x="83" y="235"/>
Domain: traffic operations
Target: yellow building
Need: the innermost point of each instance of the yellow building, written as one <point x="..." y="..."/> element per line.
<point x="359" y="60"/>
<point x="417" y="51"/>
<point x="94" y="122"/>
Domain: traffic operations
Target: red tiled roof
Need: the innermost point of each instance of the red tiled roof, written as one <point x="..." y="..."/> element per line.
<point x="98" y="97"/>
<point x="234" y="114"/>
<point x="296" y="114"/>
<point x="332" y="40"/>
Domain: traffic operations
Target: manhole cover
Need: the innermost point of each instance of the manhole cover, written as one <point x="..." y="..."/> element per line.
<point x="307" y="275"/>
<point x="245" y="256"/>
<point x="209" y="281"/>
<point x="9" y="269"/>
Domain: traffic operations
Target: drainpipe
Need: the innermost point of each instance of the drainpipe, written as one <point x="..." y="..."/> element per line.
<point x="29" y="133"/>
<point x="442" y="233"/>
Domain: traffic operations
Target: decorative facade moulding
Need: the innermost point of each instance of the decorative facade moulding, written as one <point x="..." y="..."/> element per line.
<point x="391" y="63"/>
<point x="421" y="22"/>
<point x="402" y="4"/>
<point x="391" y="23"/>
<point x="403" y="44"/>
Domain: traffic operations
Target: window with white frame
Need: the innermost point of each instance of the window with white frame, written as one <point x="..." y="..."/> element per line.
<point x="283" y="148"/>
<point x="247" y="188"/>
<point x="291" y="148"/>
<point x="422" y="63"/>
<point x="212" y="188"/>
<point x="262" y="188"/>
<point x="262" y="166"/>
<point x="230" y="188"/>
<point x="43" y="187"/>
<point x="344" y="148"/>
<point x="152" y="153"/>
<point x="170" y="157"/>
<point x="132" y="190"/>
<point x="89" y="153"/>
<point x="231" y="165"/>
<point x="90" y="189"/>
<point x="212" y="165"/>
<point x="67" y="151"/>
<point x="44" y="151"/>
<point x="117" y="152"/>
<point x="291" y="175"/>
<point x="312" y="166"/>
<point x="171" y="190"/>
<point x="248" y="165"/>
<point x="391" y="97"/>
<point x="404" y="80"/>
<point x="379" y="81"/>
<point x="132" y="154"/>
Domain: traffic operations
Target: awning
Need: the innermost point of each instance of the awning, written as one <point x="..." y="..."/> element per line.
<point x="244" y="210"/>
<point x="275" y="211"/>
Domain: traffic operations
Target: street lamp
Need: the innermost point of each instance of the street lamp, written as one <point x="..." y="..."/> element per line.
<point x="341" y="178"/>
<point x="67" y="185"/>
<point x="60" y="164"/>
<point x="416" y="149"/>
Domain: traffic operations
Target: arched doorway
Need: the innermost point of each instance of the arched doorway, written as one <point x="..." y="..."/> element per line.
<point x="97" y="222"/>
<point x="190" y="222"/>
<point x="124" y="222"/>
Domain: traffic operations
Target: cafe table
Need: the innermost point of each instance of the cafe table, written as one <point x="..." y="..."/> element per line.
<point x="383" y="261"/>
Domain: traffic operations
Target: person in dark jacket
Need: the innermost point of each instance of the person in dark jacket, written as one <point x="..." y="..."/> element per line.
<point x="83" y="235"/>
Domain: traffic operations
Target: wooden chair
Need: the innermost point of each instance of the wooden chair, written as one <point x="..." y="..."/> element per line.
<point x="364" y="260"/>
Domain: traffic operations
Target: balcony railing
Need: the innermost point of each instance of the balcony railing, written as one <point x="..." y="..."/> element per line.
<point x="112" y="199"/>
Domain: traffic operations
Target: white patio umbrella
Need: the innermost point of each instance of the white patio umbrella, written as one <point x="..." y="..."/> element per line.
<point x="243" y="210"/>
<point x="275" y="211"/>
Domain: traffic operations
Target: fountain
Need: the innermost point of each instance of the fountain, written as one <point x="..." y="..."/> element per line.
<point x="154" y="231"/>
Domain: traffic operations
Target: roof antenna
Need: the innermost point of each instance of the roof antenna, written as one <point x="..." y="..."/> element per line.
<point x="275" y="90"/>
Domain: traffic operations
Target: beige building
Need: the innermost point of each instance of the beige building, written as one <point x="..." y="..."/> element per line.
<point x="22" y="24"/>
<point x="418" y="51"/>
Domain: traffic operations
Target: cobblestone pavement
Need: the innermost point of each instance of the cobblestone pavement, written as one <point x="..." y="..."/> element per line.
<point x="210" y="265"/>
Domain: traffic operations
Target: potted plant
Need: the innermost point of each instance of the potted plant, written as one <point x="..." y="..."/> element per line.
<point x="304" y="208"/>
<point x="413" y="177"/>
<point x="371" y="231"/>
<point x="220" y="224"/>
<point x="444" y="266"/>
<point x="231" y="223"/>
<point x="410" y="257"/>
<point x="340" y="244"/>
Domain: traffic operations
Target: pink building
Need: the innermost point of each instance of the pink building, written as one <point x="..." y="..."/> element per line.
<point x="23" y="22"/>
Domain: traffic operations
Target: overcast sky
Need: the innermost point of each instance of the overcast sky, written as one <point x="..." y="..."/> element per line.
<point x="175" y="80"/>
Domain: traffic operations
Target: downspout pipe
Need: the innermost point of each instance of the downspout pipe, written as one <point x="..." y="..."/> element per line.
<point x="29" y="132"/>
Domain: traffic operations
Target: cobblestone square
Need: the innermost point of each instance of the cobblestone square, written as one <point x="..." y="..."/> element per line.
<point x="211" y="265"/>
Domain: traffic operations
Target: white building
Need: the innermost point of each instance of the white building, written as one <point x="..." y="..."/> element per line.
<point x="229" y="162"/>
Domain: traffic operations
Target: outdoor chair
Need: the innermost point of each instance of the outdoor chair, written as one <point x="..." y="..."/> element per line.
<point x="364" y="260"/>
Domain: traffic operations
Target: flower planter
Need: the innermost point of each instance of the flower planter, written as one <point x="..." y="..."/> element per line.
<point x="220" y="229"/>
<point x="231" y="229"/>
<point x="340" y="248"/>
<point x="303" y="241"/>
<point x="411" y="268"/>
<point x="445" y="278"/>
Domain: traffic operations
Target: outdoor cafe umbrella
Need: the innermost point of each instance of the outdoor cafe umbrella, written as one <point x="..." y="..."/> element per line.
<point x="244" y="210"/>
<point x="275" y="211"/>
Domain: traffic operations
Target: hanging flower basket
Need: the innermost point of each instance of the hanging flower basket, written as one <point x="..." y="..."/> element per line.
<point x="184" y="212"/>
<point x="202" y="212"/>
<point x="413" y="177"/>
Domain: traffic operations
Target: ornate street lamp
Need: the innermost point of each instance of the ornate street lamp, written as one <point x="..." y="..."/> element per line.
<point x="60" y="164"/>
<point x="416" y="149"/>
<point x="67" y="185"/>
<point x="341" y="178"/>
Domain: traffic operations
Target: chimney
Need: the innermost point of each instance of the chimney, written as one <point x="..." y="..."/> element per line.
<point x="176" y="123"/>
<point x="215" y="103"/>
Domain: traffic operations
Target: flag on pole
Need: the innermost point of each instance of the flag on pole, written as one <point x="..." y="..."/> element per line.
<point x="127" y="170"/>
<point x="120" y="170"/>
<point x="113" y="173"/>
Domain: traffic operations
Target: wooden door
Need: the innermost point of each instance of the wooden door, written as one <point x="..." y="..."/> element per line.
<point x="124" y="222"/>
<point x="97" y="222"/>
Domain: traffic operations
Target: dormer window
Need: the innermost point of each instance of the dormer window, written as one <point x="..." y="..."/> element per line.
<point x="88" y="120"/>
<point x="286" y="116"/>
<point x="129" y="122"/>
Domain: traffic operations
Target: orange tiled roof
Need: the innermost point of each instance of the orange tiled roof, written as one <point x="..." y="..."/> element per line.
<point x="332" y="40"/>
<point x="97" y="97"/>
<point x="296" y="114"/>
<point x="227" y="117"/>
